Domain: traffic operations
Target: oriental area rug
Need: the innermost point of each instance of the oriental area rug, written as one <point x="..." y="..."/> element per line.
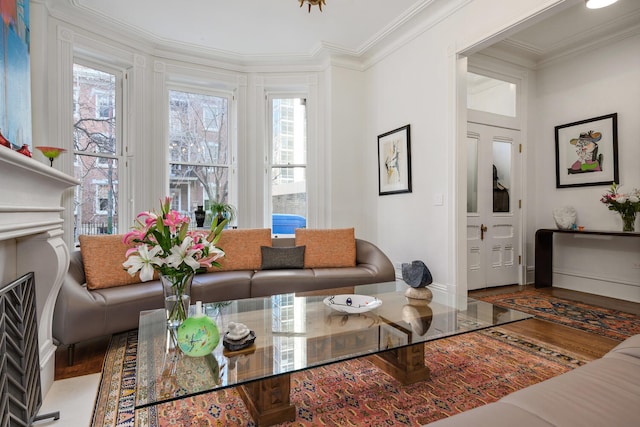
<point x="609" y="323"/>
<point x="466" y="371"/>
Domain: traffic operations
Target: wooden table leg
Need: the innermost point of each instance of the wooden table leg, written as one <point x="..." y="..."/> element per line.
<point x="268" y="400"/>
<point x="405" y="364"/>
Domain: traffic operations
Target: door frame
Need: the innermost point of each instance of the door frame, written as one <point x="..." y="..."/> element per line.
<point x="459" y="51"/>
<point x="484" y="65"/>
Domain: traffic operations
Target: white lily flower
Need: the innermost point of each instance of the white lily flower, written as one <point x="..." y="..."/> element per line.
<point x="183" y="253"/>
<point x="143" y="262"/>
<point x="213" y="251"/>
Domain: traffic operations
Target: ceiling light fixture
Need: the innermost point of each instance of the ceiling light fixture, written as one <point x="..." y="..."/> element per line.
<point x="597" y="4"/>
<point x="319" y="3"/>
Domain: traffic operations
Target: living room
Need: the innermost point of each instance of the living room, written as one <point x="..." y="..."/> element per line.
<point x="354" y="96"/>
<point x="336" y="90"/>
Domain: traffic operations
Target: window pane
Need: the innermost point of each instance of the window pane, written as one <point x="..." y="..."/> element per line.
<point x="289" y="199"/>
<point x="198" y="128"/>
<point x="472" y="174"/>
<point x="96" y="151"/>
<point x="501" y="152"/>
<point x="491" y="95"/>
<point x="192" y="186"/>
<point x="288" y="148"/>
<point x="199" y="150"/>
<point x="96" y="199"/>
<point x="289" y="140"/>
<point x="94" y="110"/>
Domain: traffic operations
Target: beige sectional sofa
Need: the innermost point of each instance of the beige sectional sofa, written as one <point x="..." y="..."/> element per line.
<point x="99" y="298"/>
<point x="601" y="393"/>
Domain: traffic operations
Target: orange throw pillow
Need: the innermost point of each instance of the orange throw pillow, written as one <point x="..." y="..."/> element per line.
<point x="327" y="248"/>
<point x="242" y="248"/>
<point x="102" y="256"/>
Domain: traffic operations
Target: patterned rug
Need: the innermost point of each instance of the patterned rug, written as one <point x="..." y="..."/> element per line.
<point x="466" y="371"/>
<point x="609" y="323"/>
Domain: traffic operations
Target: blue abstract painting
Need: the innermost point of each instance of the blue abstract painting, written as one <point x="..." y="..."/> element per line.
<point x="15" y="87"/>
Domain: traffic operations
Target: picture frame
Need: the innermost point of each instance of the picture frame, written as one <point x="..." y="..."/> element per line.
<point x="587" y="152"/>
<point x="394" y="161"/>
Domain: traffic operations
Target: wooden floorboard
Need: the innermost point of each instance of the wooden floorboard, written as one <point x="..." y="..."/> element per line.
<point x="583" y="345"/>
<point x="576" y="342"/>
<point x="89" y="356"/>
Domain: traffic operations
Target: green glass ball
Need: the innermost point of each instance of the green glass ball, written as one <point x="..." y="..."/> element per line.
<point x="198" y="336"/>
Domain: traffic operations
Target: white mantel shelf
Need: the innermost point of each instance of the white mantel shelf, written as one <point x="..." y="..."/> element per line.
<point x="32" y="189"/>
<point x="31" y="238"/>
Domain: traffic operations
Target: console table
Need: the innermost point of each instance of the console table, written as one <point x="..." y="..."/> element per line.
<point x="544" y="251"/>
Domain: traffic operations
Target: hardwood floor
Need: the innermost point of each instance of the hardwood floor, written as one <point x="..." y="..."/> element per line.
<point x="581" y="344"/>
<point x="89" y="356"/>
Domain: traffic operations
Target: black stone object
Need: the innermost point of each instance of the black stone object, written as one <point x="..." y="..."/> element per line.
<point x="416" y="274"/>
<point x="235" y="345"/>
<point x="200" y="214"/>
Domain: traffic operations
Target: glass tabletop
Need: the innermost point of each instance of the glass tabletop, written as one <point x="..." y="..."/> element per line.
<point x="295" y="332"/>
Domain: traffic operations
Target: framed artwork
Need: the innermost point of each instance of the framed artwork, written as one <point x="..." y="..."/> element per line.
<point x="393" y="335"/>
<point x="394" y="161"/>
<point x="15" y="77"/>
<point x="587" y="152"/>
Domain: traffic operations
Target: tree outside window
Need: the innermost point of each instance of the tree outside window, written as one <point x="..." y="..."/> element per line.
<point x="96" y="150"/>
<point x="199" y="150"/>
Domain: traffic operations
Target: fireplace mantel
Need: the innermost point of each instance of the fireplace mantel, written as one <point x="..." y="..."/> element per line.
<point x="31" y="238"/>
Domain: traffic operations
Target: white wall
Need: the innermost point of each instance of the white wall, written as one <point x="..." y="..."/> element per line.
<point x="345" y="130"/>
<point x="578" y="87"/>
<point x="417" y="85"/>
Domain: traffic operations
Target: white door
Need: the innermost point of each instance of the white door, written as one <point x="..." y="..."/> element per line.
<point x="493" y="206"/>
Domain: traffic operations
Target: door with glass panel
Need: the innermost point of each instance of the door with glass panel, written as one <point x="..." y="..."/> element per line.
<point x="493" y="206"/>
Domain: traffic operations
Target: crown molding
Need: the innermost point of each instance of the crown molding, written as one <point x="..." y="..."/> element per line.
<point x="586" y="47"/>
<point x="387" y="40"/>
<point x="420" y="22"/>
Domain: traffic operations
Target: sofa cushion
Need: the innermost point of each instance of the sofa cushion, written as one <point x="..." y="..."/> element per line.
<point x="242" y="249"/>
<point x="102" y="256"/>
<point x="278" y="258"/>
<point x="603" y="392"/>
<point x="327" y="248"/>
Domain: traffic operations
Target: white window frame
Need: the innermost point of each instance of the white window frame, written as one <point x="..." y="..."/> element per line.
<point x="270" y="165"/>
<point x="120" y="131"/>
<point x="231" y="117"/>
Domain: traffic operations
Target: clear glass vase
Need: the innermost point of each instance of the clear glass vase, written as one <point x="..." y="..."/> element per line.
<point x="177" y="297"/>
<point x="628" y="221"/>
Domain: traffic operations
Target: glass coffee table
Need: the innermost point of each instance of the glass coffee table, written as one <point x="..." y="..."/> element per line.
<point x="296" y="332"/>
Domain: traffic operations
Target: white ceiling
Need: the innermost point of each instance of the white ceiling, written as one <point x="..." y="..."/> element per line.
<point x="269" y="28"/>
<point x="573" y="28"/>
<point x="257" y="27"/>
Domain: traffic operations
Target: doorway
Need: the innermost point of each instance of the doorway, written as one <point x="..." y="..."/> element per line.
<point x="493" y="206"/>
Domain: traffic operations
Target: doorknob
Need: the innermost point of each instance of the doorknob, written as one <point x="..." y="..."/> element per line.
<point x="483" y="229"/>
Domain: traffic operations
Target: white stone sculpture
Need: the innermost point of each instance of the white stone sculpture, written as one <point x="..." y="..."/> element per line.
<point x="565" y="217"/>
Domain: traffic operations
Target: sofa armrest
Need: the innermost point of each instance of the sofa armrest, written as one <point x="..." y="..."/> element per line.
<point x="370" y="257"/>
<point x="76" y="306"/>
